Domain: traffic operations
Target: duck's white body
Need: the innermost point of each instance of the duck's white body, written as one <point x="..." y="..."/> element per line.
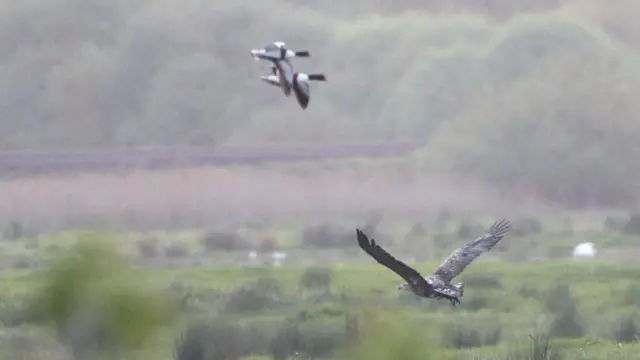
<point x="300" y="83"/>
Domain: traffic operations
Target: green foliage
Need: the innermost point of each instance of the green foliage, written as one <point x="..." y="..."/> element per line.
<point x="91" y="294"/>
<point x="627" y="329"/>
<point x="226" y="338"/>
<point x="364" y="322"/>
<point x="219" y="339"/>
<point x="267" y="245"/>
<point x="566" y="322"/>
<point x="148" y="248"/>
<point x="469" y="230"/>
<point x="541" y="127"/>
<point x="316" y="278"/>
<point x="262" y="294"/>
<point x="631" y="294"/>
<point x="190" y="346"/>
<point x="327" y="236"/>
<point x="223" y="241"/>
<point x="539" y="347"/>
<point x="176" y="250"/>
<point x="394" y="337"/>
<point x="462" y="334"/>
<point x="632" y="226"/>
<point x="481" y="281"/>
<point x="614" y="223"/>
<point x="527" y="226"/>
<point x="306" y="338"/>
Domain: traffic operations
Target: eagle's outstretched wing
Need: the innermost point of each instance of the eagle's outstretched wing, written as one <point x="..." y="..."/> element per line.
<point x="381" y="256"/>
<point x="462" y="257"/>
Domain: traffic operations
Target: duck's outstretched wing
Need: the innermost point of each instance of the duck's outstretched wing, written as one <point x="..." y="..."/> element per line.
<point x="271" y="80"/>
<point x="409" y="274"/>
<point x="272" y="52"/>
<point x="285" y="73"/>
<point x="462" y="257"/>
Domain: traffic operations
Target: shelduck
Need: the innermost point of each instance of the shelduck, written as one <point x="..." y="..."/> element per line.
<point x="300" y="83"/>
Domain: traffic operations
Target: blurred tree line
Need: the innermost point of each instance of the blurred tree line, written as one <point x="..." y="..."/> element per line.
<point x="539" y="94"/>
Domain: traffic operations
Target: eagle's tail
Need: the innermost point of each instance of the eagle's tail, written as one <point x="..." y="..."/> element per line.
<point x="460" y="287"/>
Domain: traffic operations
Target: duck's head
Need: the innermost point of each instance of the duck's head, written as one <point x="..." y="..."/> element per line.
<point x="257" y="53"/>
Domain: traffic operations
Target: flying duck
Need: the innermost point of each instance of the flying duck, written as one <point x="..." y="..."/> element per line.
<point x="300" y="84"/>
<point x="277" y="50"/>
<point x="437" y="284"/>
<point x="279" y="55"/>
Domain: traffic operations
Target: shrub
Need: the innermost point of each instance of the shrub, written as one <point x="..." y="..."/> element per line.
<point x="270" y="286"/>
<point x="219" y="339"/>
<point x="327" y="236"/>
<point x="631" y="294"/>
<point x="544" y="112"/>
<point x="558" y="298"/>
<point x="614" y="224"/>
<point x="258" y="336"/>
<point x="443" y="218"/>
<point x="632" y="225"/>
<point x="418" y="232"/>
<point x="32" y="243"/>
<point x="540" y="347"/>
<point x="15" y="230"/>
<point x="626" y="330"/>
<point x="176" y="250"/>
<point x="23" y="263"/>
<point x="263" y="294"/>
<point x="98" y="317"/>
<point x="527" y="226"/>
<point x="566" y="322"/>
<point x="268" y="245"/>
<point x="560" y="251"/>
<point x="482" y="281"/>
<point x="148" y="248"/>
<point x="13" y="312"/>
<point x="316" y="278"/>
<point x="384" y="336"/>
<point x="476" y="302"/>
<point x="307" y="339"/>
<point x="225" y="340"/>
<point x="191" y="344"/>
<point x="468" y="229"/>
<point x="527" y="291"/>
<point x="223" y="241"/>
<point x="465" y="335"/>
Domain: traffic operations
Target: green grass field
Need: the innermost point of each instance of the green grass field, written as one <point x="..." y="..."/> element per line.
<point x="153" y="304"/>
<point x="503" y="304"/>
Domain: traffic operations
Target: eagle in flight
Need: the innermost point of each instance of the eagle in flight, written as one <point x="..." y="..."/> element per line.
<point x="437" y="284"/>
